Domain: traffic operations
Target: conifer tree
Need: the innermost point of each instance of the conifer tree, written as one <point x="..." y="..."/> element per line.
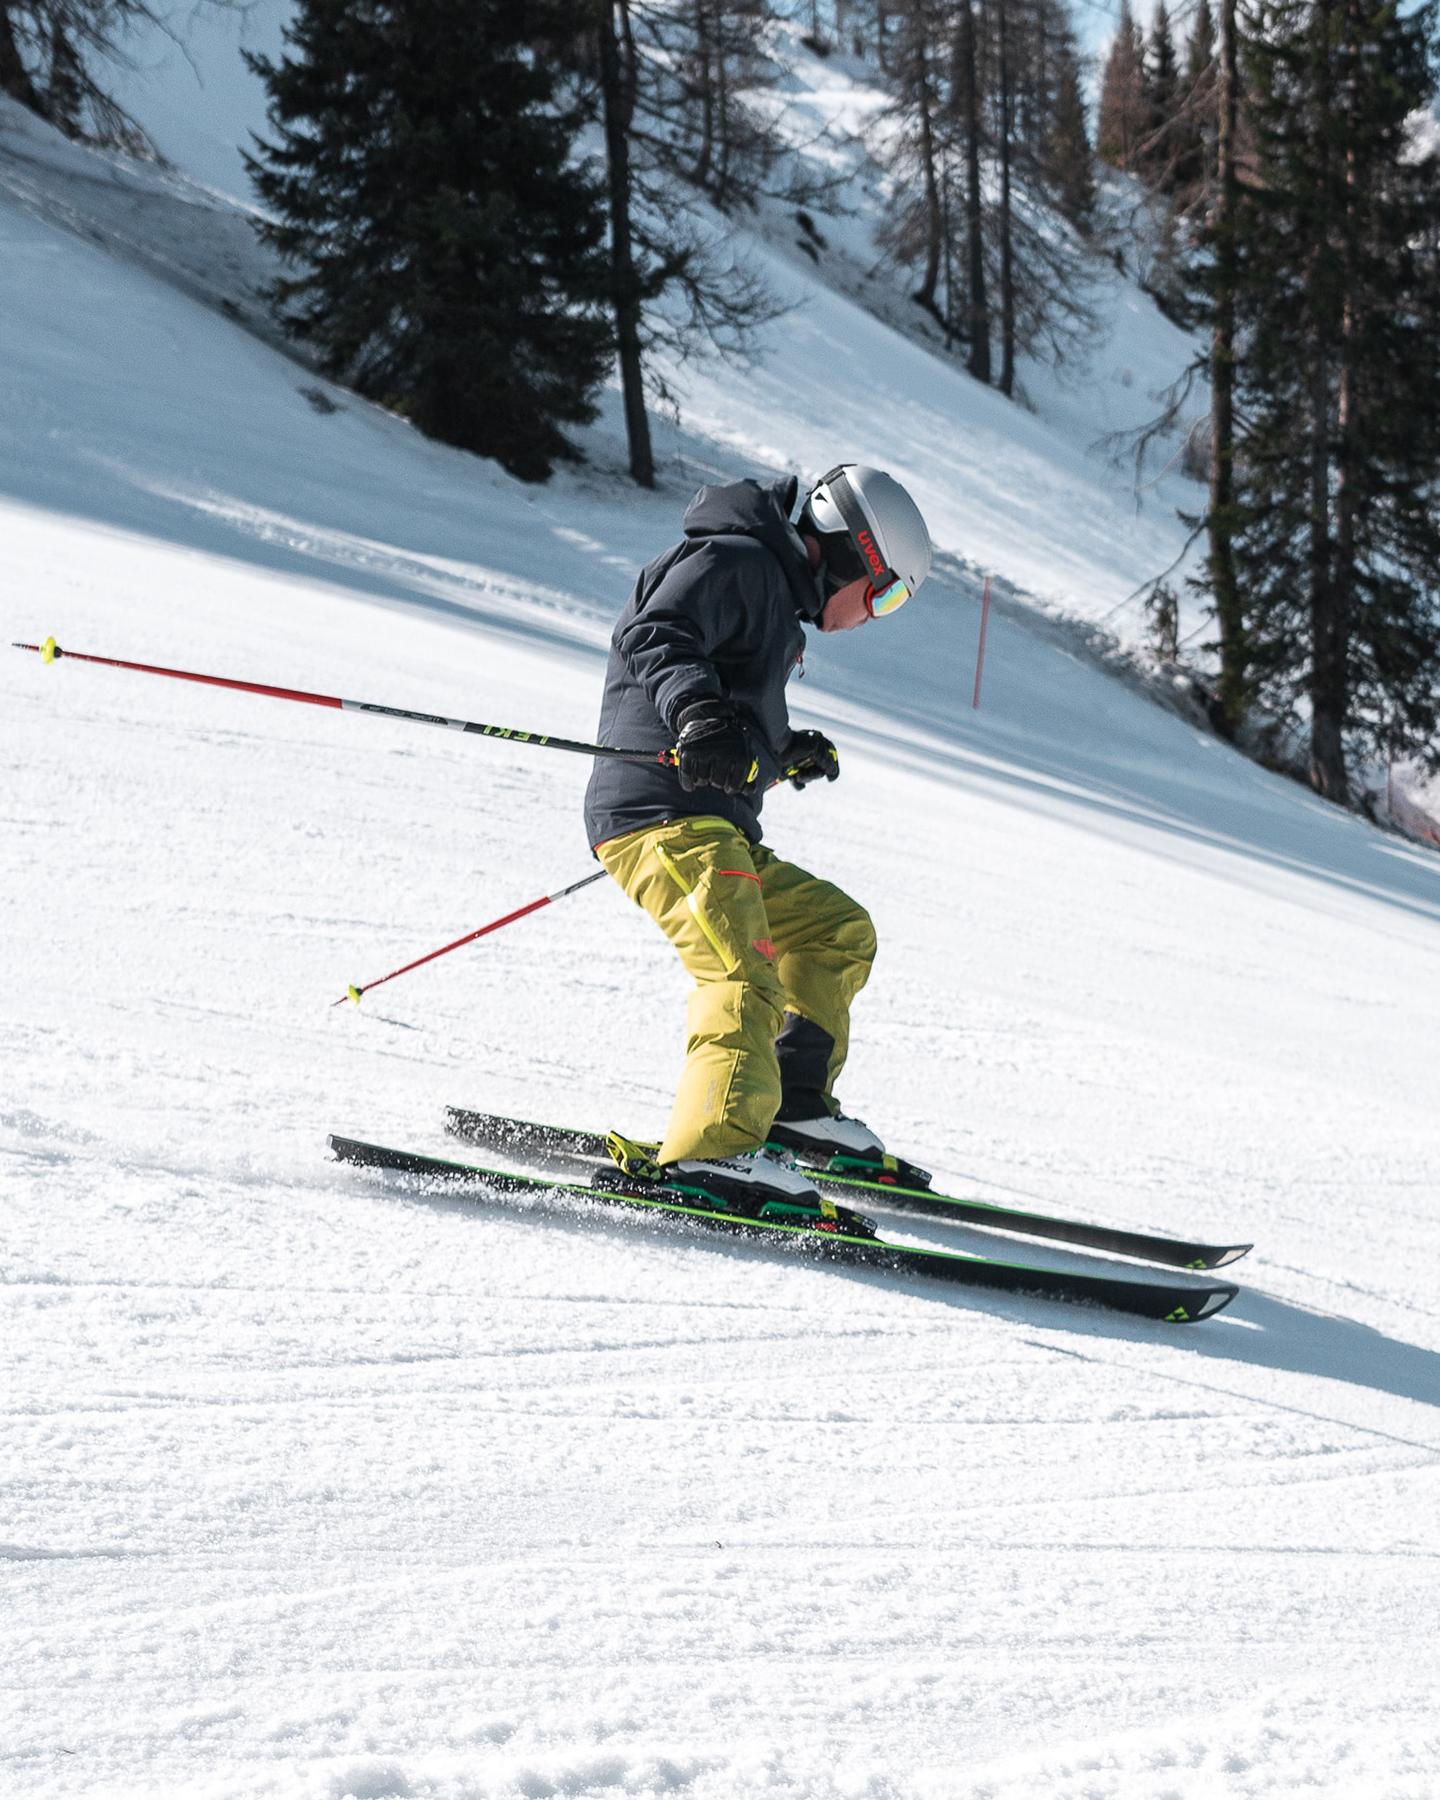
<point x="1124" y="114"/>
<point x="422" y="180"/>
<point x="52" y="59"/>
<point x="1004" y="107"/>
<point x="1195" y="128"/>
<point x="1160" y="84"/>
<point x="676" y="89"/>
<point x="16" y="79"/>
<point x="1338" y="545"/>
<point x="965" y="102"/>
<point x="988" y="141"/>
<point x="1040" y="275"/>
<point x="1069" y="159"/>
<point x="722" y="66"/>
<point x="918" y="226"/>
<point x="1157" y="159"/>
<point x="1220" y="242"/>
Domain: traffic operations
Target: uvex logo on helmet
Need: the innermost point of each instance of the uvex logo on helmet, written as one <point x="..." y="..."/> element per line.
<point x="872" y="555"/>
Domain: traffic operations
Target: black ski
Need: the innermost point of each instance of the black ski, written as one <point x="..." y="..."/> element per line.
<point x="845" y="1239"/>
<point x="564" y="1149"/>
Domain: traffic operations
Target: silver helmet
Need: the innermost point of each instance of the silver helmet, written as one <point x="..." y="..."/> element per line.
<point x="867" y="524"/>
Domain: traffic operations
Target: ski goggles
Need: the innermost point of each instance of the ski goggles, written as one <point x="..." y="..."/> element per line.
<point x="887" y="591"/>
<point x="882" y="600"/>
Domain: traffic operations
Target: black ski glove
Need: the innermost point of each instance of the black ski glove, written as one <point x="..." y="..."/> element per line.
<point x="713" y="747"/>
<point x="810" y="756"/>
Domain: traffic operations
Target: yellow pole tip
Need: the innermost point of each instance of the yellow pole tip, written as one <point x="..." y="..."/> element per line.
<point x="49" y="650"/>
<point x="354" y="994"/>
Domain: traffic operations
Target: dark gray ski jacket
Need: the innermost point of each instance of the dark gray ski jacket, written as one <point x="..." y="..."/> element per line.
<point x="720" y="614"/>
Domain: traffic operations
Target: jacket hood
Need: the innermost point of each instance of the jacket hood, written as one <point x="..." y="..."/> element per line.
<point x="760" y="510"/>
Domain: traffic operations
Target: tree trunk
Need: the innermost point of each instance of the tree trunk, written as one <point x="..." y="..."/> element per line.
<point x="726" y="132"/>
<point x="1327" y="634"/>
<point x="617" y="87"/>
<point x="1233" y="692"/>
<point x="1006" y="383"/>
<point x="701" y="173"/>
<point x="13" y="78"/>
<point x="63" y="100"/>
<point x="947" y="240"/>
<point x="931" y="278"/>
<point x="1039" y="85"/>
<point x="977" y="306"/>
<point x="1330" y="681"/>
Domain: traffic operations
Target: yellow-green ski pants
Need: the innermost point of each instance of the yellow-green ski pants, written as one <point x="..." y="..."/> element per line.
<point x="761" y="938"/>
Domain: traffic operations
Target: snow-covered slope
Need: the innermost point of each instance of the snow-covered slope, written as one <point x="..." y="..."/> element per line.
<point x="314" y="1486"/>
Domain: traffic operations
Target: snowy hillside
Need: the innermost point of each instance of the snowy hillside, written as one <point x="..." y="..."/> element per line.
<point x="320" y="1485"/>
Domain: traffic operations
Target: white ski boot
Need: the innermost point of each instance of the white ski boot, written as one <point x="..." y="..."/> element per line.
<point x="754" y="1174"/>
<point x="817" y="1140"/>
<point x="835" y="1144"/>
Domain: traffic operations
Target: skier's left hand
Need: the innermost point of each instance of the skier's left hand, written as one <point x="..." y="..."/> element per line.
<point x="810" y="756"/>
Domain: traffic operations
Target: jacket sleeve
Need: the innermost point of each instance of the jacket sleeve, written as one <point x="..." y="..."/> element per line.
<point x="698" y="608"/>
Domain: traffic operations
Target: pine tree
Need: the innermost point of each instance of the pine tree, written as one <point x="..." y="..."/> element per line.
<point x="1004" y="110"/>
<point x="987" y="140"/>
<point x="634" y="279"/>
<point x="675" y="87"/>
<point x="1040" y="276"/>
<point x="1069" y="159"/>
<point x="1208" y="282"/>
<point x="52" y="59"/>
<point x="1160" y="85"/>
<point x="1220" y="246"/>
<point x="423" y="180"/>
<point x="969" y="128"/>
<point x="1195" y="126"/>
<point x="1338" y="546"/>
<point x="918" y="224"/>
<point x="65" y="84"/>
<point x="1124" y="114"/>
<point x="16" y="78"/>
<point x="723" y="65"/>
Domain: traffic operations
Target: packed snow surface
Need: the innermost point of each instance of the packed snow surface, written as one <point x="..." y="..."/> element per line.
<point x="320" y="1484"/>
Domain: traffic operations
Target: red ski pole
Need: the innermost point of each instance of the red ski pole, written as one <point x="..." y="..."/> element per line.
<point x="50" y="652"/>
<point x="354" y="992"/>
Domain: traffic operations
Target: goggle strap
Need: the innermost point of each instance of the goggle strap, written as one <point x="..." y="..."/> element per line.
<point x="853" y="515"/>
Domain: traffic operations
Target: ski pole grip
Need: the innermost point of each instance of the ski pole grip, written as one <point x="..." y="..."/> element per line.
<point x="670" y="759"/>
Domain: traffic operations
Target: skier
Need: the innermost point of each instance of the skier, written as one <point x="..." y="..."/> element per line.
<point x="699" y="661"/>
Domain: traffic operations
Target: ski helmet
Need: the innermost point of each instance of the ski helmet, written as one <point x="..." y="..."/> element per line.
<point x="867" y="525"/>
